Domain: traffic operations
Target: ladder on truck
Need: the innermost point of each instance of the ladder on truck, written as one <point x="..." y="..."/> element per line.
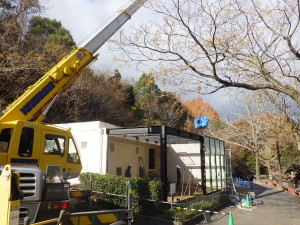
<point x="230" y="189"/>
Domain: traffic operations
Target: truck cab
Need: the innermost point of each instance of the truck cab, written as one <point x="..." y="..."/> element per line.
<point x="31" y="149"/>
<point x="34" y="144"/>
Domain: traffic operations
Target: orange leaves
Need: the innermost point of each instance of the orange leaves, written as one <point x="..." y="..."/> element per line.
<point x="197" y="107"/>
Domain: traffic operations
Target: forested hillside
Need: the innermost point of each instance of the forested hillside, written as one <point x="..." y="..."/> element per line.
<point x="31" y="45"/>
<point x="264" y="138"/>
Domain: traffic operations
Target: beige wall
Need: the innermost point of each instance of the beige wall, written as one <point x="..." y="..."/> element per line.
<point x="122" y="152"/>
<point x="187" y="157"/>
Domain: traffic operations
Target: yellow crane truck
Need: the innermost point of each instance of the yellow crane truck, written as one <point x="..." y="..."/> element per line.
<point x="46" y="156"/>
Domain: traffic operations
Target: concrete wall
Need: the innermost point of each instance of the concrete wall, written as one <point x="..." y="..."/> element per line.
<point x="102" y="154"/>
<point x="92" y="143"/>
<point x="123" y="152"/>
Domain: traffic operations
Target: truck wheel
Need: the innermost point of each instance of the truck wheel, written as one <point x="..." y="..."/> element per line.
<point x="118" y="223"/>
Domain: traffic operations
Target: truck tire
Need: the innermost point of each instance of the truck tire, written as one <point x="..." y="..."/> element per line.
<point x="118" y="223"/>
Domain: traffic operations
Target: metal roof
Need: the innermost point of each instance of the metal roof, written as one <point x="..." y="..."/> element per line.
<point x="152" y="134"/>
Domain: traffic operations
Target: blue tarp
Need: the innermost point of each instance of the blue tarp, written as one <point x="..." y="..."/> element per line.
<point x="201" y="122"/>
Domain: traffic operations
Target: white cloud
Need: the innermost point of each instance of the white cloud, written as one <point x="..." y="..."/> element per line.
<point x="82" y="17"/>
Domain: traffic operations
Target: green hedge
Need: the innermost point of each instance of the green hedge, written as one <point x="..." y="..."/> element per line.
<point x="143" y="188"/>
<point x="205" y="204"/>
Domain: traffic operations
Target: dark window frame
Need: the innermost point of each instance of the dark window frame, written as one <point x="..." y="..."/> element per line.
<point x="26" y="142"/>
<point x="5" y="137"/>
<point x="151" y="158"/>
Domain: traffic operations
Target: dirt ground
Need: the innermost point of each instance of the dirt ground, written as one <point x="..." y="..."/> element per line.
<point x="185" y="192"/>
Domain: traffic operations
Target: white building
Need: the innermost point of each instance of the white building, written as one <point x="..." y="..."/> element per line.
<point x="111" y="155"/>
<point x="154" y="151"/>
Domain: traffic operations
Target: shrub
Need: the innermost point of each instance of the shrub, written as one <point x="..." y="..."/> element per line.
<point x="143" y="188"/>
<point x="207" y="203"/>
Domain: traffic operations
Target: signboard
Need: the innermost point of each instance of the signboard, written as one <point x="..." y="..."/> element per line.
<point x="172" y="188"/>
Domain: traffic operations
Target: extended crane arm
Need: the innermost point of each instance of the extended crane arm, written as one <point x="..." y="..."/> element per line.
<point x="96" y="41"/>
<point x="30" y="104"/>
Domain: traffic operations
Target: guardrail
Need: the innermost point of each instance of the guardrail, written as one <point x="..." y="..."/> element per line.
<point x="199" y="205"/>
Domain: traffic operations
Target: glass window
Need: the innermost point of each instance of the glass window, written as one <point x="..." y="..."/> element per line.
<point x="119" y="171"/>
<point x="73" y="156"/>
<point x="151" y="158"/>
<point x="112" y="147"/>
<point x="212" y="146"/>
<point x="54" y="144"/>
<point x="5" y="136"/>
<point x="53" y="174"/>
<point x="222" y="149"/>
<point x="218" y="151"/>
<point x="83" y="144"/>
<point x="206" y="145"/>
<point x="26" y="142"/>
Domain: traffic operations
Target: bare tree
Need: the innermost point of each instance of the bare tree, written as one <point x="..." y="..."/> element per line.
<point x="18" y="68"/>
<point x="250" y="131"/>
<point x="289" y="109"/>
<point x="204" y="45"/>
<point x="263" y="131"/>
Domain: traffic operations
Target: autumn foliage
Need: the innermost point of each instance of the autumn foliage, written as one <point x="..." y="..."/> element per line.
<point x="197" y="107"/>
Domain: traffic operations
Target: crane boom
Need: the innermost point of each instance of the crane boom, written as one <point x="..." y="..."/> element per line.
<point x="96" y="41"/>
<point x="30" y="104"/>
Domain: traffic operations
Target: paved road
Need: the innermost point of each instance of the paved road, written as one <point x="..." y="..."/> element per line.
<point x="279" y="208"/>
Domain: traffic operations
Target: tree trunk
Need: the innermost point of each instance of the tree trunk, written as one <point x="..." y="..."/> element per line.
<point x="279" y="166"/>
<point x="297" y="138"/>
<point x="267" y="164"/>
<point x="257" y="171"/>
